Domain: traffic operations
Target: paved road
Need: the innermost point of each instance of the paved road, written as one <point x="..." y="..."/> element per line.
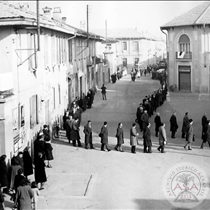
<point x="92" y="179"/>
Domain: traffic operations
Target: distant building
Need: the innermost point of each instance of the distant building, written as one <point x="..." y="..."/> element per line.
<point x="133" y="47"/>
<point x="38" y="85"/>
<point x="188" y="48"/>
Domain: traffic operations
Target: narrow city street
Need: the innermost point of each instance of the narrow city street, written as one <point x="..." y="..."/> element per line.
<point x="92" y="179"/>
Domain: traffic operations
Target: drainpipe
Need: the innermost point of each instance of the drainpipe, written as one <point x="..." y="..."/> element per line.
<point x="204" y="33"/>
<point x="167" y="67"/>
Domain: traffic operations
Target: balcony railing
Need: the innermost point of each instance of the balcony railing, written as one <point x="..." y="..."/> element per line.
<point x="184" y="55"/>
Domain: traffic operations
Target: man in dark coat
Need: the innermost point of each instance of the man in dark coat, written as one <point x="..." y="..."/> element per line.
<point x="207" y="135"/>
<point x="204" y="123"/>
<point x="104" y="137"/>
<point x="147" y="139"/>
<point x="120" y="138"/>
<point x="157" y="121"/>
<point x="103" y="91"/>
<point x="139" y="113"/>
<point x="84" y="102"/>
<point x="88" y="135"/>
<point x="185" y="125"/>
<point x="75" y="133"/>
<point x="145" y="120"/>
<point x="173" y="125"/>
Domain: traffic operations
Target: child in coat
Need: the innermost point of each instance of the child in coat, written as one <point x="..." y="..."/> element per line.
<point x="36" y="193"/>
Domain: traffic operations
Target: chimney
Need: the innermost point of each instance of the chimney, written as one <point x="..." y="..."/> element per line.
<point x="57" y="13"/>
<point x="64" y="19"/>
<point x="48" y="12"/>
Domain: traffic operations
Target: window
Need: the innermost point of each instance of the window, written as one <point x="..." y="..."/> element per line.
<point x="32" y="61"/>
<point x="53" y="55"/>
<point x="70" y="50"/>
<point x="46" y="50"/>
<point x="135" y="46"/>
<point x="33" y="111"/>
<point x="136" y="61"/>
<point x="22" y="116"/>
<point x="124" y="45"/>
<point x="59" y="93"/>
<point x="53" y="89"/>
<point x="184" y="43"/>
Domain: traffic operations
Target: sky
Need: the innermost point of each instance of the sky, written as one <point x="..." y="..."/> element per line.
<point x="142" y="15"/>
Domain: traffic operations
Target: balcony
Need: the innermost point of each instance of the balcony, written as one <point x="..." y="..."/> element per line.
<point x="184" y="56"/>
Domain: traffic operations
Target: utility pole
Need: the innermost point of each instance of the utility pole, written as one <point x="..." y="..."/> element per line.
<point x="38" y="26"/>
<point x="87" y="26"/>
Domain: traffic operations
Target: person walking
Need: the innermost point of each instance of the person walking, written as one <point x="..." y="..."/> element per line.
<point x="88" y="135"/>
<point x="173" y="125"/>
<point x="104" y="137"/>
<point x="23" y="196"/>
<point x="75" y="133"/>
<point x="133" y="138"/>
<point x="3" y="172"/>
<point x="48" y="146"/>
<point x="162" y="138"/>
<point x="185" y="125"/>
<point x="147" y="139"/>
<point x="120" y="137"/>
<point x="206" y="137"/>
<point x="103" y="91"/>
<point x="189" y="135"/>
<point x="157" y="122"/>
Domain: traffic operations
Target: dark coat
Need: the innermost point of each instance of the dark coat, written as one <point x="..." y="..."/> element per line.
<point x="28" y="167"/>
<point x="75" y="131"/>
<point x="3" y="173"/>
<point x="157" y="121"/>
<point x="120" y="136"/>
<point x="48" y="151"/>
<point x="208" y="134"/>
<point x="88" y="134"/>
<point x="39" y="146"/>
<point x="69" y="128"/>
<point x="104" y="137"/>
<point x="139" y="113"/>
<point x="1" y="201"/>
<point x="185" y="124"/>
<point x="147" y="137"/>
<point x="18" y="179"/>
<point x="173" y="124"/>
<point x="145" y="120"/>
<point x="40" y="175"/>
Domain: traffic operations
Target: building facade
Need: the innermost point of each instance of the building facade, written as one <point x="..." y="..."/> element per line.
<point x="40" y="75"/>
<point x="188" y="49"/>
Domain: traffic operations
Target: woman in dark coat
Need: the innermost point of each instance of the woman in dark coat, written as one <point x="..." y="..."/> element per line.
<point x="147" y="139"/>
<point x="48" y="146"/>
<point x="3" y="172"/>
<point x="207" y="135"/>
<point x="40" y="175"/>
<point x="39" y="146"/>
<point x="27" y="161"/>
<point x="173" y="125"/>
<point x="104" y="137"/>
<point x="120" y="137"/>
<point x="157" y="121"/>
<point x="88" y="135"/>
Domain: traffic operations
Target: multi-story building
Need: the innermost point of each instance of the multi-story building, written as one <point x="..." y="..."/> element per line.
<point x="133" y="47"/>
<point x="188" y="49"/>
<point x="41" y="72"/>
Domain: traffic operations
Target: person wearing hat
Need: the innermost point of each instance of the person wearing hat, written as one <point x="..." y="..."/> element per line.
<point x="147" y="139"/>
<point x="189" y="136"/>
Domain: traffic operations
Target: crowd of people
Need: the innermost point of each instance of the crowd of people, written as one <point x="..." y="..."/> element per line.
<point x="15" y="180"/>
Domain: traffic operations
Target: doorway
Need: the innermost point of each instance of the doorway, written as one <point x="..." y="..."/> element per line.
<point x="184" y="78"/>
